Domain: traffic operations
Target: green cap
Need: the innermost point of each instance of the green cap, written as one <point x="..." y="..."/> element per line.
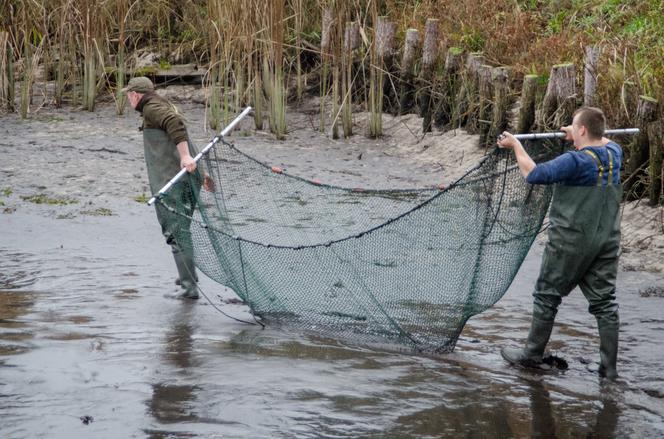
<point x="139" y="84"/>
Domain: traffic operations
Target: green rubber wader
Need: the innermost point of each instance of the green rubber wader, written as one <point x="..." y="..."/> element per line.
<point x="583" y="250"/>
<point x="163" y="163"/>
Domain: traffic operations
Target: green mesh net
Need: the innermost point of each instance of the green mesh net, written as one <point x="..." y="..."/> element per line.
<point x="399" y="268"/>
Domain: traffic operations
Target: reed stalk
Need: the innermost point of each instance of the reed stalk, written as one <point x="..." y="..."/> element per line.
<point x="351" y="42"/>
<point x="325" y="56"/>
<point x="257" y="96"/>
<point x="121" y="67"/>
<point x="298" y="10"/>
<point x="275" y="69"/>
<point x="376" y="79"/>
<point x="6" y="64"/>
<point x="26" y="83"/>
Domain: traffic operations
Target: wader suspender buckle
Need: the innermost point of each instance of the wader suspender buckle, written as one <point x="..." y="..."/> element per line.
<point x="601" y="168"/>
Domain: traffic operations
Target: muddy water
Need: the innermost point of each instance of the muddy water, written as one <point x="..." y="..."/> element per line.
<point x="91" y="347"/>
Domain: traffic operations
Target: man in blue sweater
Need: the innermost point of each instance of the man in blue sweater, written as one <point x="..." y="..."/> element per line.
<point x="584" y="235"/>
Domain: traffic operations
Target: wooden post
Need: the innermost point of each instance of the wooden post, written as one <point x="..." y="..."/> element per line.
<point x="429" y="56"/>
<point x="590" y="76"/>
<point x="325" y="40"/>
<point x="467" y="100"/>
<point x="561" y="86"/>
<point x="485" y="104"/>
<point x="326" y="29"/>
<point x="501" y="104"/>
<point x="639" y="149"/>
<point x="656" y="140"/>
<point x="446" y="107"/>
<point x="351" y="42"/>
<point x="385" y="33"/>
<point x="383" y="48"/>
<point x="526" y="118"/>
<point x="406" y="89"/>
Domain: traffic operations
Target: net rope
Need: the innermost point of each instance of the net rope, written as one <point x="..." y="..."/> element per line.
<point x="399" y="268"/>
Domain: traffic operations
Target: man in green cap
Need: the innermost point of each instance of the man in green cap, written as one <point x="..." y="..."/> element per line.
<point x="584" y="235"/>
<point x="167" y="150"/>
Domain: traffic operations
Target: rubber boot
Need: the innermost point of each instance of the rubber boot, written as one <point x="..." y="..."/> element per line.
<point x="186" y="274"/>
<point x="178" y="282"/>
<point x="608" y="349"/>
<point x="531" y="355"/>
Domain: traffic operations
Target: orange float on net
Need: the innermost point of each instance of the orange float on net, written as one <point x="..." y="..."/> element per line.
<point x="277" y="170"/>
<point x="316" y="181"/>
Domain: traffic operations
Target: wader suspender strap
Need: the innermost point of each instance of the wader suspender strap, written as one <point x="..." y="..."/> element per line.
<point x="599" y="165"/>
<point x="610" y="180"/>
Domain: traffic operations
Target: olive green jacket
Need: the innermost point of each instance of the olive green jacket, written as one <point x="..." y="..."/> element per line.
<point x="160" y="114"/>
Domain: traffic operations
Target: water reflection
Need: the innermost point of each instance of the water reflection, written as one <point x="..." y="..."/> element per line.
<point x="14" y="304"/>
<point x="172" y="401"/>
<point x="461" y="415"/>
<point x="546" y="425"/>
<point x="543" y="423"/>
<point x="607" y="417"/>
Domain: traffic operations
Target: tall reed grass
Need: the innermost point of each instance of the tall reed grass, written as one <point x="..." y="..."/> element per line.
<point x="84" y="40"/>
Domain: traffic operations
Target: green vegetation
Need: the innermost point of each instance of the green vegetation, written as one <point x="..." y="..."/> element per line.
<point x="101" y="211"/>
<point x="233" y="38"/>
<point x="6" y="191"/>
<point x="141" y="198"/>
<point x="44" y="199"/>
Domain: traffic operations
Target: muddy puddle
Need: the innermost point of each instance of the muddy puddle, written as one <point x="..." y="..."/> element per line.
<point x="90" y="347"/>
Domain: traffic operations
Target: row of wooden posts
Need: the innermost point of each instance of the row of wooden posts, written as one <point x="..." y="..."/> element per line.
<point x="465" y="92"/>
<point x="468" y="93"/>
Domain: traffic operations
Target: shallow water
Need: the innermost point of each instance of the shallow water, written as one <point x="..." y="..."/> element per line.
<point x="86" y="335"/>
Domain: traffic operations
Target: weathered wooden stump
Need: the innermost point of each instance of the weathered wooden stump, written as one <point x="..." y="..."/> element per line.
<point x="446" y="106"/>
<point x="407" y="71"/>
<point x="501" y="105"/>
<point x="590" y="76"/>
<point x="325" y="56"/>
<point x="557" y="101"/>
<point x="383" y="49"/>
<point x="526" y="118"/>
<point x="386" y="32"/>
<point x="639" y="149"/>
<point x="468" y="96"/>
<point x="429" y="56"/>
<point x="351" y="42"/>
<point x="485" y="104"/>
<point x="656" y="140"/>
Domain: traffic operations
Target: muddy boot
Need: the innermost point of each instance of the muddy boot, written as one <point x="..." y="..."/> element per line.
<point x="531" y="355"/>
<point x="608" y="349"/>
<point x="186" y="275"/>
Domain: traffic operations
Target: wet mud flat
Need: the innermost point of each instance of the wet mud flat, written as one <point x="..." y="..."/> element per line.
<point x="90" y="347"/>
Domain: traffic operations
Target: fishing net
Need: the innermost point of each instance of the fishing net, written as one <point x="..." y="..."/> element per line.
<point x="399" y="268"/>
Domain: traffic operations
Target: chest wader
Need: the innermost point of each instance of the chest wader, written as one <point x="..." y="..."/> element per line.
<point x="583" y="250"/>
<point x="163" y="162"/>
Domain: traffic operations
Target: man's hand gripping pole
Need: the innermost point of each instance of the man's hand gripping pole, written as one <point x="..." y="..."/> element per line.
<point x="164" y="190"/>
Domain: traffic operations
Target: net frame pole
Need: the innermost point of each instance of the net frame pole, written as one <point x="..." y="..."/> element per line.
<point x="562" y="134"/>
<point x="164" y="190"/>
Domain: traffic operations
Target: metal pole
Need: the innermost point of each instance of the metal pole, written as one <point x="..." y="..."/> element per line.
<point x="561" y="134"/>
<point x="204" y="151"/>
